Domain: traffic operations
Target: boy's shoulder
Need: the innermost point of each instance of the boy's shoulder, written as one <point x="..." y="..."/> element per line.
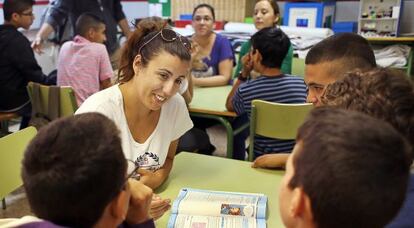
<point x="12" y="38"/>
<point x="94" y="49"/>
<point x="264" y="80"/>
<point x="11" y="33"/>
<point x="266" y="84"/>
<point x="97" y="48"/>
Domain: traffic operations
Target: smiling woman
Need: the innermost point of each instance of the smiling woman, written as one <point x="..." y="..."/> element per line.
<point x="146" y="105"/>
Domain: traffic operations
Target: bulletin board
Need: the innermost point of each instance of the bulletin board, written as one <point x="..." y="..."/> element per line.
<point x="165" y="6"/>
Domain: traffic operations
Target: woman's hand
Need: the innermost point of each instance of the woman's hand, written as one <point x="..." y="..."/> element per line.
<point x="247" y="65"/>
<point x="140" y="201"/>
<point x="159" y="206"/>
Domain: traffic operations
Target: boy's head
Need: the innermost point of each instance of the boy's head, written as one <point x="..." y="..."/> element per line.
<point x="91" y="27"/>
<point x="74" y="172"/>
<point x="269" y="47"/>
<point x="328" y="60"/>
<point x="382" y="93"/>
<point x="346" y="170"/>
<point x="19" y="13"/>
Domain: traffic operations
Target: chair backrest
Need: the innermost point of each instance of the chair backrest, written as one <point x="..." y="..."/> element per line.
<point x="276" y="120"/>
<point x="11" y="156"/>
<point x="298" y="67"/>
<point x="67" y="100"/>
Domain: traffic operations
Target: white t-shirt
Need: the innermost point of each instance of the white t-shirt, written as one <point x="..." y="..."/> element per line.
<point x="173" y="122"/>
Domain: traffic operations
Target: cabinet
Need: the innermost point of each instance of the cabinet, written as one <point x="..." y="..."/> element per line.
<point x="379" y="18"/>
<point x="225" y="10"/>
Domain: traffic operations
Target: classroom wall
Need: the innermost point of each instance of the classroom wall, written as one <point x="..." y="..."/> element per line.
<point x="345" y="11"/>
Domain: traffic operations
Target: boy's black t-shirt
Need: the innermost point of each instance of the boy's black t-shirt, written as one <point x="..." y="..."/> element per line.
<point x="18" y="66"/>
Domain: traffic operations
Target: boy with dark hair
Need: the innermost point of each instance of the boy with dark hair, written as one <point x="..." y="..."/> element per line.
<point x="327" y="184"/>
<point x="385" y="94"/>
<point x="18" y="65"/>
<point x="85" y="184"/>
<point x="269" y="48"/>
<point x="84" y="62"/>
<point x="328" y="60"/>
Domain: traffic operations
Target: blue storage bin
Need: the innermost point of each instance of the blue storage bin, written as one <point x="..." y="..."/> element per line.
<point x="346" y="26"/>
<point x="186" y="17"/>
<point x="309" y="14"/>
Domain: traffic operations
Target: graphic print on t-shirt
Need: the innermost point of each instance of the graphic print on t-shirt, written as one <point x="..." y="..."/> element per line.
<point x="148" y="161"/>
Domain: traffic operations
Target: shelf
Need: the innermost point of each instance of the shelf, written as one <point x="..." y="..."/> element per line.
<point x="391" y="39"/>
<point x="378" y="19"/>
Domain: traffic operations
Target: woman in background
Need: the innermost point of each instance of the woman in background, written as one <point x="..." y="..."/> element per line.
<point x="216" y="57"/>
<point x="266" y="14"/>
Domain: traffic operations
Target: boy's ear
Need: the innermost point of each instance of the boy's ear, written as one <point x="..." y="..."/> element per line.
<point x="300" y="206"/>
<point x="118" y="207"/>
<point x="257" y="57"/>
<point x="91" y="33"/>
<point x="14" y="17"/>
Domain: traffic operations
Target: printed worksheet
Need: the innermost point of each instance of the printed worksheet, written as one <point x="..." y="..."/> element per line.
<point x="195" y="208"/>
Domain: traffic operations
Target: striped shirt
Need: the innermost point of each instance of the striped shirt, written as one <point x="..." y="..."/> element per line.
<point x="281" y="89"/>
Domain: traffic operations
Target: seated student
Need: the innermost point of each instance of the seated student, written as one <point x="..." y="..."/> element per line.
<point x="385" y="94"/>
<point x="216" y="64"/>
<point x="344" y="175"/>
<point x="84" y="62"/>
<point x="85" y="184"/>
<point x="272" y="85"/>
<point x="266" y="14"/>
<point x="18" y="65"/>
<point x="382" y="93"/>
<point x="327" y="62"/>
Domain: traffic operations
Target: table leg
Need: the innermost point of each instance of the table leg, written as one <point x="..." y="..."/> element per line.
<point x="229" y="129"/>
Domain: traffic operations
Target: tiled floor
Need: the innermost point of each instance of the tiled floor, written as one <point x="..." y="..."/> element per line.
<point x="18" y="206"/>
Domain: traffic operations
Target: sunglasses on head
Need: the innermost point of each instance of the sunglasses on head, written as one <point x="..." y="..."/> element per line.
<point x="169" y="35"/>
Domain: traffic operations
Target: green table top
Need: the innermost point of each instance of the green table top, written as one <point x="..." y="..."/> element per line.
<point x="222" y="174"/>
<point x="211" y="100"/>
